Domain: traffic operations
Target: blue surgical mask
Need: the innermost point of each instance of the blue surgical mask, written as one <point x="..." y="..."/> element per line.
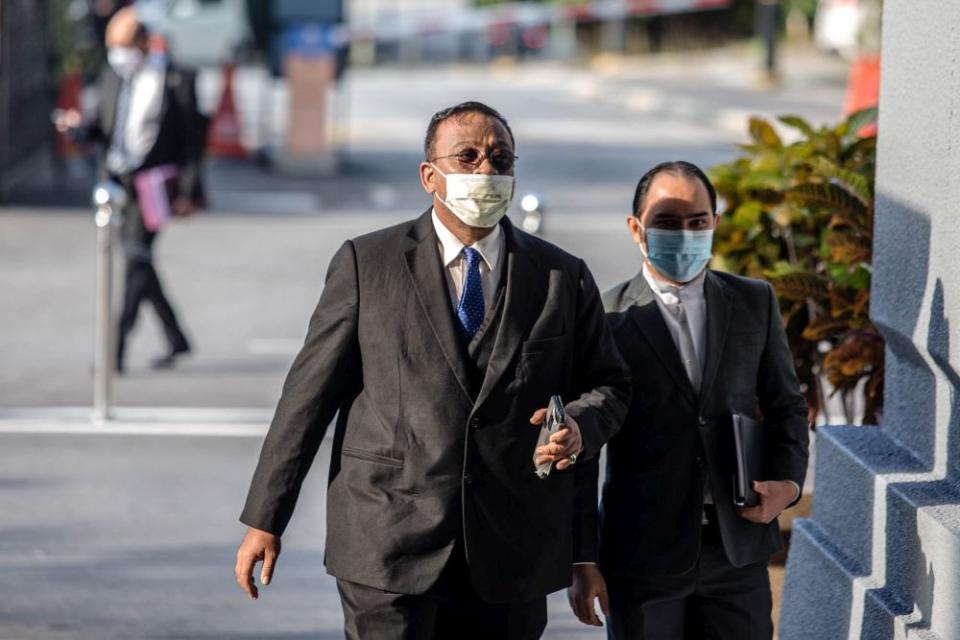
<point x="678" y="254"/>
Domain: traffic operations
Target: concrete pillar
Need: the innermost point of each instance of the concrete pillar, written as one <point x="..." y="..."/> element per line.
<point x="880" y="556"/>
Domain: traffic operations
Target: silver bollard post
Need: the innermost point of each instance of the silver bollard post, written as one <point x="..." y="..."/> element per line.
<point x="109" y="198"/>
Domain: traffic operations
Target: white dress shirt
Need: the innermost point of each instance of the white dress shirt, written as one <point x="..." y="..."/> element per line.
<point x="690" y="296"/>
<point x="491" y="250"/>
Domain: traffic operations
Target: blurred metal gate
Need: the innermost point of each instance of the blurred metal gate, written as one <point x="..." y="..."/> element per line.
<point x="24" y="91"/>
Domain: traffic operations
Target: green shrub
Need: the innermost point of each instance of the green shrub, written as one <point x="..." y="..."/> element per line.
<point x="800" y="215"/>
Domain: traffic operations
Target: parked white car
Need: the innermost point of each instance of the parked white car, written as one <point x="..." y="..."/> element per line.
<point x="836" y="26"/>
<point x="200" y="33"/>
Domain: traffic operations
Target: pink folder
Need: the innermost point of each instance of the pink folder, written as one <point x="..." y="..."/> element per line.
<point x="156" y="187"/>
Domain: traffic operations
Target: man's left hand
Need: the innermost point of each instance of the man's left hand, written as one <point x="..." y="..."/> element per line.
<point x="775" y="496"/>
<point x="563" y="444"/>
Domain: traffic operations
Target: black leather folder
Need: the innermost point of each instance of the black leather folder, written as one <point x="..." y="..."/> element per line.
<point x="748" y="458"/>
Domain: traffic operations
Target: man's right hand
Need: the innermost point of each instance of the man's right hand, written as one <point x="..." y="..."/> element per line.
<point x="257" y="546"/>
<point x="588" y="583"/>
<point x="67" y="120"/>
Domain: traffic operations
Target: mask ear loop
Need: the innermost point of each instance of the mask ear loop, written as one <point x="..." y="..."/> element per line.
<point x="643" y="241"/>
<point x="437" y="193"/>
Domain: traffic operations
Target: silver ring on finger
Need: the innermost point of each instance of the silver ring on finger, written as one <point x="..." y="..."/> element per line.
<point x="572" y="458"/>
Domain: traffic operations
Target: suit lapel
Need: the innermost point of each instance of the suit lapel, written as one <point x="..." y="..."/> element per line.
<point x="524" y="296"/>
<point x="172" y="80"/>
<point x="717" y="296"/>
<point x="429" y="283"/>
<point x="646" y="314"/>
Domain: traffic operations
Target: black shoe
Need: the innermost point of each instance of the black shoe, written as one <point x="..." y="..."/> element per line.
<point x="167" y="361"/>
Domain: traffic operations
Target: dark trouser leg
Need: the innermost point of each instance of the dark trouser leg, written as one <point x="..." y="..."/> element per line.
<point x="649" y="608"/>
<point x="461" y="614"/>
<point x="135" y="283"/>
<point x="473" y="619"/>
<point x="730" y="603"/>
<point x="371" y="613"/>
<point x="154" y="293"/>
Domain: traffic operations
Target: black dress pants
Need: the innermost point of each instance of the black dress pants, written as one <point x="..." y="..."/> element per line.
<point x="713" y="601"/>
<point x="449" y="611"/>
<point x="142" y="283"/>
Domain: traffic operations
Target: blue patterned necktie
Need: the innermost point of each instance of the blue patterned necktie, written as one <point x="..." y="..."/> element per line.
<point x="470" y="311"/>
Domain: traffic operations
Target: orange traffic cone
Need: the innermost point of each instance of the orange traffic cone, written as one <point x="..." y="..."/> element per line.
<point x="224" y="137"/>
<point x="863" y="89"/>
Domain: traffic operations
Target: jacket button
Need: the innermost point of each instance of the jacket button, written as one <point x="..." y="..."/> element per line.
<point x="702" y="421"/>
<point x="701" y="462"/>
<point x="467" y="478"/>
<point x="474" y="423"/>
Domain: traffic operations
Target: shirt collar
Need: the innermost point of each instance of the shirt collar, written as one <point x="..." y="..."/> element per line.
<point x="489" y="247"/>
<point x="670" y="293"/>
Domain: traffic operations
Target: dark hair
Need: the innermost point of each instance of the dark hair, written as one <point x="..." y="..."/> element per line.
<point x="456" y="111"/>
<point x="674" y="167"/>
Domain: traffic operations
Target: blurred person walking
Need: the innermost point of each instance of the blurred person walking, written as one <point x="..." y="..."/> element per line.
<point x="438" y="342"/>
<point x="147" y="119"/>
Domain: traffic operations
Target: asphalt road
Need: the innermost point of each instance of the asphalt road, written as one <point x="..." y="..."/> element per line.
<point x="133" y="535"/>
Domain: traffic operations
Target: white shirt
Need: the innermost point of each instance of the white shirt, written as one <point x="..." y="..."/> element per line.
<point x="491" y="250"/>
<point x="690" y="296"/>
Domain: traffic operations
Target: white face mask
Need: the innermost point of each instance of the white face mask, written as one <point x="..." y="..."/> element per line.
<point x="124" y="60"/>
<point x="478" y="199"/>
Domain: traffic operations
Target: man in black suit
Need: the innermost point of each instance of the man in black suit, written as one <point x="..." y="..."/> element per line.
<point x="438" y="343"/>
<point x="148" y="121"/>
<point x="676" y="558"/>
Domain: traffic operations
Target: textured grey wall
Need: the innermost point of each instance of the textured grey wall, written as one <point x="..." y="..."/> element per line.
<point x="917" y="246"/>
<point x="880" y="556"/>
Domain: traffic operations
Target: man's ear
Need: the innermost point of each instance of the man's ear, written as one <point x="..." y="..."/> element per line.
<point x="428" y="177"/>
<point x="633" y="223"/>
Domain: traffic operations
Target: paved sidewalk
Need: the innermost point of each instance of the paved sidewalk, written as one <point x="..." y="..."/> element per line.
<point x="132" y="534"/>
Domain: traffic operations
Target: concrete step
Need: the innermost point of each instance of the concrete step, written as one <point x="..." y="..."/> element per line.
<point x="822" y="584"/>
<point x="909" y="587"/>
<point x="848" y="461"/>
<point x="922" y="557"/>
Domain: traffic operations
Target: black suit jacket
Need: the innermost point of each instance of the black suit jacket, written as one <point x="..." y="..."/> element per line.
<point x="419" y="460"/>
<point x="650" y="517"/>
<point x="181" y="139"/>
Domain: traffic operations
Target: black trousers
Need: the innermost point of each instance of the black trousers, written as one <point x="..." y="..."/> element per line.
<point x="714" y="601"/>
<point x="142" y="283"/>
<point x="449" y="611"/>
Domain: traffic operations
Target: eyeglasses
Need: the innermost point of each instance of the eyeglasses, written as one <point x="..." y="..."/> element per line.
<point x="500" y="159"/>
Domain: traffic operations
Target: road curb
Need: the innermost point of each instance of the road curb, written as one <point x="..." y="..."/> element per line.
<point x="155" y="421"/>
